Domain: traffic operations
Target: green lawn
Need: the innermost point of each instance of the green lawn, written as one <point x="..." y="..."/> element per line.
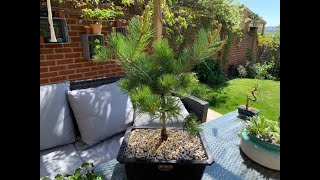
<point x="226" y="98"/>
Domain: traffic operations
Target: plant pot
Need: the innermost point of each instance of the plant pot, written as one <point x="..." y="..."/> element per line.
<point x="96" y="28"/>
<point x="88" y="29"/>
<point x="60" y="13"/>
<point x="118" y="23"/>
<point x="60" y="40"/>
<point x="143" y="168"/>
<point x="261" y="152"/>
<point x="250" y="112"/>
<point x="42" y="39"/>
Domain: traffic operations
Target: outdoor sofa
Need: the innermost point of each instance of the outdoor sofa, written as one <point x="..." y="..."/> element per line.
<point x="85" y="121"/>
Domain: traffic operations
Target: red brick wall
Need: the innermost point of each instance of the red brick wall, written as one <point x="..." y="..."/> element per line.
<point x="63" y="62"/>
<point x="239" y="51"/>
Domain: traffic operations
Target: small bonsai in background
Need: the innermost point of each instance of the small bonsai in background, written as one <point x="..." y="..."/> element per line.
<point x="84" y="172"/>
<point x="245" y="109"/>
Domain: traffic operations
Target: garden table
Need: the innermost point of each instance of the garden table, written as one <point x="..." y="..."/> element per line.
<point x="223" y="141"/>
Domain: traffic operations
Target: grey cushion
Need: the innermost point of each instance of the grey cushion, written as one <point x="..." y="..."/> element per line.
<point x="59" y="160"/>
<point x="144" y="119"/>
<point x="101" y="112"/>
<point x="56" y="126"/>
<point x="103" y="151"/>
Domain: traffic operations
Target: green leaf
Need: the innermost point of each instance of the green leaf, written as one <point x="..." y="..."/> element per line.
<point x="77" y="172"/>
<point x="84" y="165"/>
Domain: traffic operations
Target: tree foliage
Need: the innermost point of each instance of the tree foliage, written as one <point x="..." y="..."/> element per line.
<point x="151" y="78"/>
<point x="270" y="43"/>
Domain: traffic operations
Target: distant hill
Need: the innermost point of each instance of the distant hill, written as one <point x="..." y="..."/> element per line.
<point x="270" y="29"/>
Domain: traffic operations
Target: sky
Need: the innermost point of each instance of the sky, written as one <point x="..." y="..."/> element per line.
<point x="269" y="10"/>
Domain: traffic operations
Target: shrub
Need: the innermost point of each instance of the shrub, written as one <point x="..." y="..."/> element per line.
<point x="262" y="70"/>
<point x="84" y="172"/>
<point x="242" y="72"/>
<point x="210" y="72"/>
<point x="232" y="71"/>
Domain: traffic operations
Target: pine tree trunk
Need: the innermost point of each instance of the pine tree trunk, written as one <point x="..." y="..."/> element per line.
<point x="164" y="134"/>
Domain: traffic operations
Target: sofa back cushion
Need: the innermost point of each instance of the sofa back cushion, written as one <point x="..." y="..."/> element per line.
<point x="56" y="126"/>
<point x="100" y="112"/>
<point x="145" y="120"/>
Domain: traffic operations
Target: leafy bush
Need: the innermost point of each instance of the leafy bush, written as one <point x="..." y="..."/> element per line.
<point x="262" y="70"/>
<point x="210" y="72"/>
<point x="264" y="128"/>
<point x="84" y="172"/>
<point x="270" y="43"/>
<point x="242" y="72"/>
<point x="202" y="91"/>
<point x="232" y="71"/>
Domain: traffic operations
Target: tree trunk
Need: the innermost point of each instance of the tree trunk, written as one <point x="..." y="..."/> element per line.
<point x="157" y="18"/>
<point x="164" y="134"/>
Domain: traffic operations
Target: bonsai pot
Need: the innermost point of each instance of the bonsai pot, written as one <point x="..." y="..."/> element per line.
<point x="161" y="168"/>
<point x="96" y="28"/>
<point x="42" y="39"/>
<point x="250" y="112"/>
<point x="60" y="13"/>
<point x="261" y="152"/>
<point x="88" y="29"/>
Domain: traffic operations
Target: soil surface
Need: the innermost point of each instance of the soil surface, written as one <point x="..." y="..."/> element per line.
<point x="250" y="108"/>
<point x="146" y="143"/>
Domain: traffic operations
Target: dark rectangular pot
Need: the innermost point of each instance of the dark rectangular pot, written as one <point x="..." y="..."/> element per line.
<point x="247" y="113"/>
<point x="138" y="168"/>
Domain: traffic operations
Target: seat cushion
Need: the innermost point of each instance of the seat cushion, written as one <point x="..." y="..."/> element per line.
<point x="101" y="112"/>
<point x="103" y="151"/>
<point x="59" y="160"/>
<point x="144" y="119"/>
<point x="56" y="126"/>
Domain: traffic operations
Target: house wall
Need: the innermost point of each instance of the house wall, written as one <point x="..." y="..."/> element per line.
<point x="239" y="50"/>
<point x="65" y="62"/>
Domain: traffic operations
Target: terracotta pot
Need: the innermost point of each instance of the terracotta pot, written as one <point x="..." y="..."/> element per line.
<point x="42" y="39"/>
<point x="60" y="13"/>
<point x="88" y="30"/>
<point x="96" y="28"/>
<point x="118" y="23"/>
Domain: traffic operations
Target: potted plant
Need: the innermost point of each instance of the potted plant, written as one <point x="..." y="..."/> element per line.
<point x="85" y="171"/>
<point x="60" y="12"/>
<point x="43" y="35"/>
<point x="245" y="109"/>
<point x="98" y="15"/>
<point x="150" y="80"/>
<point x="260" y="141"/>
<point x="88" y="29"/>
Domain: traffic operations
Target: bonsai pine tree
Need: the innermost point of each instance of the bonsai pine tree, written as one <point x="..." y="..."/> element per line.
<point x="254" y="96"/>
<point x="152" y="77"/>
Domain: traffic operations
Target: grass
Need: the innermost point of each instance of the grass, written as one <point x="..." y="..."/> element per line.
<point x="226" y="98"/>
